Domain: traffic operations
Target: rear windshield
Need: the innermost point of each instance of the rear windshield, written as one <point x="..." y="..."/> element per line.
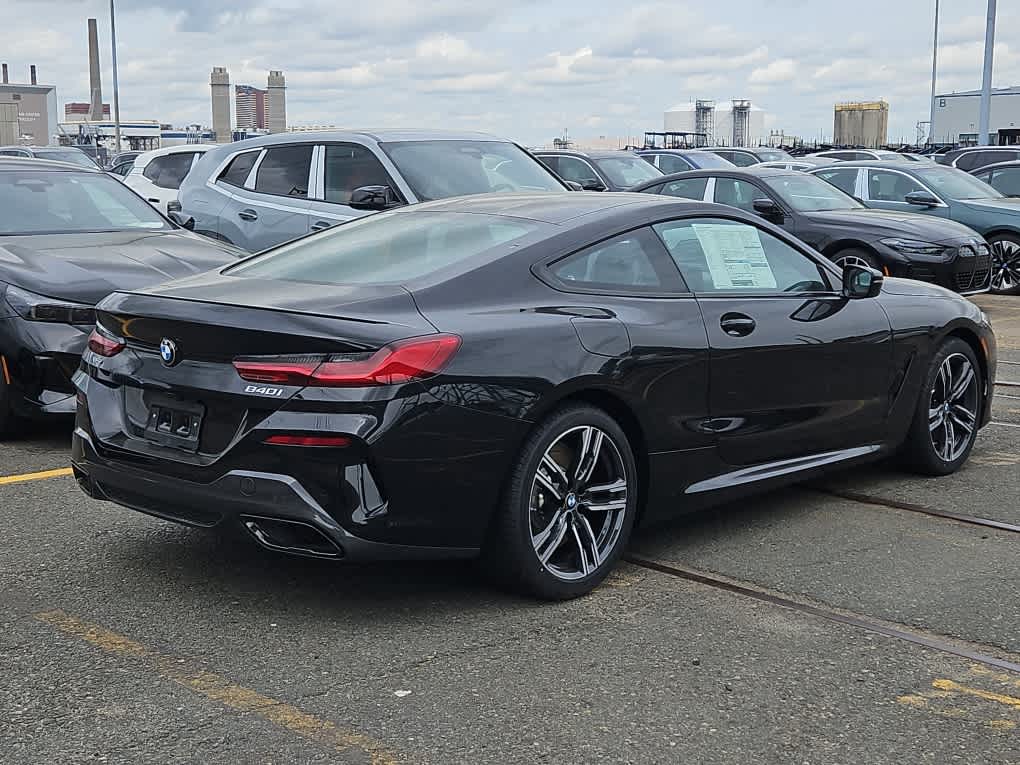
<point x="627" y="170"/>
<point x="441" y="169"/>
<point x="73" y="156"/>
<point x="71" y="202"/>
<point x="772" y="155"/>
<point x="707" y="160"/>
<point x="388" y="247"/>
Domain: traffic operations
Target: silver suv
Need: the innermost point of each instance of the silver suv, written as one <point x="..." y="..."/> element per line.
<point x="264" y="191"/>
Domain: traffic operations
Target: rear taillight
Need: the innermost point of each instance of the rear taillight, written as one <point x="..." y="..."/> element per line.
<point x="104" y="344"/>
<point x="399" y="362"/>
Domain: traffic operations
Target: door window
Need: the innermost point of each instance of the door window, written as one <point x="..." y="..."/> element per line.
<point x="671" y="163"/>
<point x="284" y="171"/>
<point x="717" y="255"/>
<point x="688" y="188"/>
<point x="1007" y="181"/>
<point x="236" y="173"/>
<point x="844" y="179"/>
<point x="168" y="171"/>
<point x="884" y="186"/>
<point x="736" y="193"/>
<point x="740" y="159"/>
<point x="577" y="170"/>
<point x="631" y="262"/>
<point x="348" y="167"/>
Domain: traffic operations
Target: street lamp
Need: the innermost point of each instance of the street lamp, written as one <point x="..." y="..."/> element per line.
<point x="934" y="72"/>
<point x="986" y="77"/>
<point x="116" y="91"/>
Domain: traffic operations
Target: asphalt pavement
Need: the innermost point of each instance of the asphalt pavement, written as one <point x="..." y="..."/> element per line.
<point x="124" y="639"/>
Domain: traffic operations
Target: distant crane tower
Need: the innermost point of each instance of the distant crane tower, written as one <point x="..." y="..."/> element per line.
<point x="704" y="122"/>
<point x="741" y="121"/>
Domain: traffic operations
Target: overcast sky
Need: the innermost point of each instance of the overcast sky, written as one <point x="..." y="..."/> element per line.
<point x="522" y="69"/>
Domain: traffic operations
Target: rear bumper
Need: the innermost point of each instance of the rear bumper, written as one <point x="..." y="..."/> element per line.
<point x="276" y="509"/>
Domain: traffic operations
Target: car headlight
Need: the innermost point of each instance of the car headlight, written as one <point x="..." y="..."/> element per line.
<point x="914" y="247"/>
<point x="34" y="307"/>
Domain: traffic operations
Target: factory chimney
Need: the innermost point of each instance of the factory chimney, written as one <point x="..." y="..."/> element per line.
<point x="95" y="83"/>
<point x="276" y="102"/>
<point x="219" y="83"/>
<point x="5" y="74"/>
<point x="31" y="74"/>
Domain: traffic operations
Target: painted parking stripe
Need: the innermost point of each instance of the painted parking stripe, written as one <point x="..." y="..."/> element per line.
<point x="7" y="479"/>
<point x="216" y="688"/>
<point x="1004" y="424"/>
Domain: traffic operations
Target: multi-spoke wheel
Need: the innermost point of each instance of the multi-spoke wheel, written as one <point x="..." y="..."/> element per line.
<point x="1005" y="264"/>
<point x="949" y="410"/>
<point x="569" y="508"/>
<point x="855" y="257"/>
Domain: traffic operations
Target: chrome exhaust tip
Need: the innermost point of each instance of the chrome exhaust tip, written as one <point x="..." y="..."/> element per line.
<point x="291" y="537"/>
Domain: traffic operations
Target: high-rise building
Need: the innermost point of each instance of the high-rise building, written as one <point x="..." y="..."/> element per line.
<point x="219" y="83"/>
<point x="276" y="102"/>
<point x="249" y="108"/>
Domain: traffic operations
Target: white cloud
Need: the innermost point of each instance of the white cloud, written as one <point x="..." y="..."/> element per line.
<point x="780" y="70"/>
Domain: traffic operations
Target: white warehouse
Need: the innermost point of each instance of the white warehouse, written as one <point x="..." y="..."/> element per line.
<point x="956" y="117"/>
<point x="727" y="123"/>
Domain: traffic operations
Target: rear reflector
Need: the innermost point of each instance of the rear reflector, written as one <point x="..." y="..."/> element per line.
<point x="399" y="362"/>
<point x="104" y="344"/>
<point x="337" y="441"/>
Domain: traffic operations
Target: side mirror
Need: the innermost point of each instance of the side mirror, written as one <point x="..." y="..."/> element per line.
<point x="182" y="220"/>
<point x="372" y="198"/>
<point x="574" y="185"/>
<point x="921" y="198"/>
<point x="861" y="282"/>
<point x="593" y="184"/>
<point x="767" y="208"/>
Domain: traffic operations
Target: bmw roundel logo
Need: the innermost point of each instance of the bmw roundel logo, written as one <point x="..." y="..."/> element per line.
<point x="168" y="352"/>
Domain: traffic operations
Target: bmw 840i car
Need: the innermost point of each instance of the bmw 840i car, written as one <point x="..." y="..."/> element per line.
<point x="521" y="377"/>
<point x="69" y="236"/>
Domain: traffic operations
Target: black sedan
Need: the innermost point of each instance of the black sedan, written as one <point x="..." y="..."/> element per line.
<point x="837" y="225"/>
<point x="518" y="376"/>
<point x="70" y="236"/>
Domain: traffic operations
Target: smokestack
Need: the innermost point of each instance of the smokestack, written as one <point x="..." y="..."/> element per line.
<point x="5" y="73"/>
<point x="276" y="102"/>
<point x="219" y="84"/>
<point x="95" y="82"/>
<point x="31" y="74"/>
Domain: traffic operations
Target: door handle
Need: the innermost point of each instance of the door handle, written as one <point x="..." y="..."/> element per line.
<point x="737" y="324"/>
<point x="319" y="225"/>
<point x="248" y="214"/>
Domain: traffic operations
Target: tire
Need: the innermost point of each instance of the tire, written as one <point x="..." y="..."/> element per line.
<point x="1005" y="264"/>
<point x="857" y="256"/>
<point x="546" y="518"/>
<point x="927" y="449"/>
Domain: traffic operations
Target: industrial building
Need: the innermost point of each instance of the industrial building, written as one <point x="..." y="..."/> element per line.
<point x="956" y="117"/>
<point x="79" y="111"/>
<point x="249" y="108"/>
<point x="861" y="123"/>
<point x="736" y="122"/>
<point x="28" y="113"/>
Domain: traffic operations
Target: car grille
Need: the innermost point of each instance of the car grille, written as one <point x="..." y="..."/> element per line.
<point x="922" y="273"/>
<point x="973" y="267"/>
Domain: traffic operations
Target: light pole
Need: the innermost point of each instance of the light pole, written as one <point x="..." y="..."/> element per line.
<point x="986" y="78"/>
<point x="934" y="73"/>
<point x="116" y="91"/>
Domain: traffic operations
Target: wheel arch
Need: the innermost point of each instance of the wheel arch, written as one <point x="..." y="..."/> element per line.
<point x="832" y="249"/>
<point x="1000" y="231"/>
<point x="971" y="338"/>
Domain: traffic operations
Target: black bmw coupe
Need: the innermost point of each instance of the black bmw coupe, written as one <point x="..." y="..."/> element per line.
<point x="522" y="377"/>
<point x="69" y="236"/>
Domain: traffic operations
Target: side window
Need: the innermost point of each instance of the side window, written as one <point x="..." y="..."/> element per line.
<point x="553" y="163"/>
<point x="348" y="167"/>
<point x="844" y="179"/>
<point x="717" y="255"/>
<point x="626" y="263"/>
<point x="236" y="173"/>
<point x="727" y="155"/>
<point x="13" y="153"/>
<point x="688" y="188"/>
<point x="153" y="169"/>
<point x="168" y="172"/>
<point x="284" y="171"/>
<point x="577" y="170"/>
<point x="970" y="159"/>
<point x="1007" y="181"/>
<point x="884" y="186"/>
<point x="735" y="193"/>
<point x="671" y="163"/>
<point x="740" y="159"/>
<point x="651" y="159"/>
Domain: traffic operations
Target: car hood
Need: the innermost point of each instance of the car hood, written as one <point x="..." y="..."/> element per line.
<point x="892" y="223"/>
<point x="916" y="288"/>
<point x="1008" y="205"/>
<point x="85" y="268"/>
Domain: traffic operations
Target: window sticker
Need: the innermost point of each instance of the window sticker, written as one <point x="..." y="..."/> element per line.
<point x="735" y="256"/>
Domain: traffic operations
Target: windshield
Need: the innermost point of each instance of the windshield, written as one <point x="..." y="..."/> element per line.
<point x="71" y="202"/>
<point x="388" y="247"/>
<point x="951" y="183"/>
<point x="73" y="156"/>
<point x="805" y="193"/>
<point x="627" y="170"/>
<point x="708" y="160"/>
<point x="771" y="155"/>
<point x="440" y="169"/>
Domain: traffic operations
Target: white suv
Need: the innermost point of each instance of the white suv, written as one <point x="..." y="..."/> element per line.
<point x="157" y="175"/>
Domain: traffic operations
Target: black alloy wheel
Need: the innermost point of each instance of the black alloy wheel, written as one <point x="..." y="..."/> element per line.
<point x="854" y="256"/>
<point x="948" y="410"/>
<point x="1005" y="264"/>
<point x="569" y="507"/>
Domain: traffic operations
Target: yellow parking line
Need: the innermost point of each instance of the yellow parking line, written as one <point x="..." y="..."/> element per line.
<point x="6" y="479"/>
<point x="217" y="688"/>
<point x="999" y="698"/>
